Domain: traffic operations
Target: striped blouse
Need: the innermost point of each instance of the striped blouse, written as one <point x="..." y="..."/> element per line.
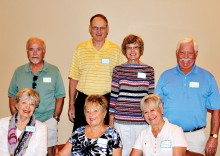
<point x="130" y="83"/>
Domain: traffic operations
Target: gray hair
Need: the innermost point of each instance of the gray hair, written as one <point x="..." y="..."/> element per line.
<point x="35" y="39"/>
<point x="187" y="40"/>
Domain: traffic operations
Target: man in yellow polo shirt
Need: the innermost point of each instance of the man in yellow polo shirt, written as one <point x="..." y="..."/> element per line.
<point x="91" y="69"/>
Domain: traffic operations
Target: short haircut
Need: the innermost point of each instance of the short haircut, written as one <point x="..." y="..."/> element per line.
<point x="132" y="39"/>
<point x="151" y="99"/>
<point x="187" y="40"/>
<point x="35" y="39"/>
<point x="30" y="94"/>
<point x="96" y="100"/>
<point x="98" y="15"/>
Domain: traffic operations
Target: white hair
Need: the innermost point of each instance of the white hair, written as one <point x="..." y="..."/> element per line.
<point x="187" y="40"/>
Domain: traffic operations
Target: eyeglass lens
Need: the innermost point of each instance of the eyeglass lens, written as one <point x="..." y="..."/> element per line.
<point x="34" y="84"/>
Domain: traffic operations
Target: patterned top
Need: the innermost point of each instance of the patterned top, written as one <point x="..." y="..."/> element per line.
<point x="93" y="68"/>
<point x="102" y="146"/>
<point x="130" y="83"/>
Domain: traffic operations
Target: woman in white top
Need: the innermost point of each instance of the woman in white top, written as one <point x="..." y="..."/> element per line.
<point x="22" y="134"/>
<point x="161" y="138"/>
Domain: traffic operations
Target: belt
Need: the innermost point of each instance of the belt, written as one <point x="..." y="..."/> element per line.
<point x="196" y="129"/>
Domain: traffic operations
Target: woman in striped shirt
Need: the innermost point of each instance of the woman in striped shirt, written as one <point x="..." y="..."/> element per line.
<point x="131" y="81"/>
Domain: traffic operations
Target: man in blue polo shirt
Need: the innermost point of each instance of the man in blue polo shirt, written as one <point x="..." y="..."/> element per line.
<point x="188" y="91"/>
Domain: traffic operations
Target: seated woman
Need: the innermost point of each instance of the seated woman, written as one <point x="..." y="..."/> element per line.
<point x="161" y="138"/>
<point x="96" y="138"/>
<point x="21" y="134"/>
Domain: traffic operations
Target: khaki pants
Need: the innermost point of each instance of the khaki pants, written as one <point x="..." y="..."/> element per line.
<point x="196" y="141"/>
<point x="52" y="136"/>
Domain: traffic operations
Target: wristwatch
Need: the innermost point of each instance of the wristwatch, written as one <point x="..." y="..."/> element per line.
<point x="214" y="135"/>
<point x="56" y="118"/>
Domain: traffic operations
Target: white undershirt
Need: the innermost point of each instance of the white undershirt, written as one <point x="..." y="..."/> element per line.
<point x="18" y="133"/>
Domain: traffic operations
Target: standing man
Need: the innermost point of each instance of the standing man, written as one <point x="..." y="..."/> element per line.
<point x="188" y="91"/>
<point x="44" y="78"/>
<point x="91" y="69"/>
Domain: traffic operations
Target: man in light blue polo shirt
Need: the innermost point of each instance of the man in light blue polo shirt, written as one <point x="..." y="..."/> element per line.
<point x="188" y="91"/>
<point x="44" y="78"/>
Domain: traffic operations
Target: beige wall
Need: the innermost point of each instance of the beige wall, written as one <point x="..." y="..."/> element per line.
<point x="64" y="23"/>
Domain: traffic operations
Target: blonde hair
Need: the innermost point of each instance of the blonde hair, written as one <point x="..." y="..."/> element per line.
<point x="152" y="99"/>
<point x="96" y="100"/>
<point x="30" y="94"/>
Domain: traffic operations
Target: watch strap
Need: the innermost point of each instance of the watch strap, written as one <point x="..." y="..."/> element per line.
<point x="214" y="135"/>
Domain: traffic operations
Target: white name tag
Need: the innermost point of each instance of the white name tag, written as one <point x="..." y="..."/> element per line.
<point x="102" y="141"/>
<point x="105" y="61"/>
<point x="141" y="75"/>
<point x="194" y="84"/>
<point x="47" y="79"/>
<point x="166" y="144"/>
<point x="30" y="129"/>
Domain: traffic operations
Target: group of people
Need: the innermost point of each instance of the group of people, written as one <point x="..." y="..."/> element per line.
<point x="114" y="105"/>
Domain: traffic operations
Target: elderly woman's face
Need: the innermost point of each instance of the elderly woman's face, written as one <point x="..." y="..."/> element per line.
<point x="94" y="115"/>
<point x="25" y="107"/>
<point x="153" y="114"/>
<point x="133" y="52"/>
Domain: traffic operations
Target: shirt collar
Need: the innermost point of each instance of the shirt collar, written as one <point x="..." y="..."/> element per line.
<point x="149" y="132"/>
<point x="194" y="70"/>
<point x="105" y="46"/>
<point x="28" y="69"/>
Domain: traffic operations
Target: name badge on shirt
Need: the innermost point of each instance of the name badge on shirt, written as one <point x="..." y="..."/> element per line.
<point x="105" y="61"/>
<point x="47" y="79"/>
<point x="102" y="141"/>
<point x="30" y="129"/>
<point x="166" y="144"/>
<point x="194" y="84"/>
<point x="141" y="75"/>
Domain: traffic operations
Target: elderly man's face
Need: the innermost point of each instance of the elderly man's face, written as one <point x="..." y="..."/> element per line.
<point x="35" y="52"/>
<point x="186" y="57"/>
<point x="98" y="29"/>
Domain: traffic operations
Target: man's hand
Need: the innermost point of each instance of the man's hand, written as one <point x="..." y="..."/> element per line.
<point x="71" y="112"/>
<point x="211" y="146"/>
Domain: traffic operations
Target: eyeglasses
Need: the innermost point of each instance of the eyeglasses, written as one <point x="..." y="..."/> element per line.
<point x="34" y="84"/>
<point x="133" y="48"/>
<point x="98" y="28"/>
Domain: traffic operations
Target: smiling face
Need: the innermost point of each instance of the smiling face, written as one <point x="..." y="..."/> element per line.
<point x="186" y="57"/>
<point x="25" y="107"/>
<point x="26" y="102"/>
<point x="153" y="114"/>
<point x="98" y="29"/>
<point x="94" y="114"/>
<point x="35" y="51"/>
<point x="133" y="53"/>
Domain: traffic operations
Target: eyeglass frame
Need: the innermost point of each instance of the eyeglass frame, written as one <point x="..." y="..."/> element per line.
<point x="95" y="28"/>
<point x="133" y="48"/>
